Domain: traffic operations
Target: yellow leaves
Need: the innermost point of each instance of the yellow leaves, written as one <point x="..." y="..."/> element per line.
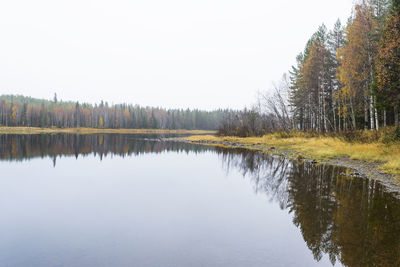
<point x="354" y="71"/>
<point x="101" y="122"/>
<point x="127" y="114"/>
<point x="354" y="56"/>
<point x="313" y="65"/>
<point x="101" y="137"/>
<point x="388" y="59"/>
<point x="14" y="114"/>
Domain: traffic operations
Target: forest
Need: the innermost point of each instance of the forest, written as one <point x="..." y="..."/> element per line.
<point x="18" y="110"/>
<point x="346" y="79"/>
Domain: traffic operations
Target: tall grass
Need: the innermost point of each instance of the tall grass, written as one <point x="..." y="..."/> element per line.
<point x="369" y="146"/>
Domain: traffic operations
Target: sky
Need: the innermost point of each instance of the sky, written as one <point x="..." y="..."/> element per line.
<point x="205" y="54"/>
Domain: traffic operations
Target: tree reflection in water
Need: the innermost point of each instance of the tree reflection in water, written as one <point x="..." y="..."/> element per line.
<point x="353" y="220"/>
<point x="23" y="147"/>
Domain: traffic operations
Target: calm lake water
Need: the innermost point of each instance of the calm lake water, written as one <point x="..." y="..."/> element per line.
<point x="131" y="200"/>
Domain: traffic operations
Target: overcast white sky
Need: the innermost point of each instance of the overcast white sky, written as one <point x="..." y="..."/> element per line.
<point x="177" y="53"/>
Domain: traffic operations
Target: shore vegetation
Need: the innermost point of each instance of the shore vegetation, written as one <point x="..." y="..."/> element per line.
<point x="370" y="147"/>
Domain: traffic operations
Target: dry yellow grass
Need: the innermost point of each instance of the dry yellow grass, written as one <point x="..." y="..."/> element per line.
<point x="54" y="130"/>
<point x="323" y="148"/>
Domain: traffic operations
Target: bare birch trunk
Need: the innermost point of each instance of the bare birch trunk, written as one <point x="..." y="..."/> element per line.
<point x="334" y="113"/>
<point x="371" y="111"/>
<point x="371" y="98"/>
<point x="384" y="118"/>
<point x="365" y="113"/>
<point x="319" y="113"/>
<point x="353" y="117"/>
<point x="324" y="111"/>
<point x="339" y="115"/>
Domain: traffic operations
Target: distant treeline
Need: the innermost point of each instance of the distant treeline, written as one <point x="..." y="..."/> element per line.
<point x="346" y="79"/>
<point x="16" y="110"/>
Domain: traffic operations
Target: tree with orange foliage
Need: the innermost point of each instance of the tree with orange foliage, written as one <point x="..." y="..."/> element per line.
<point x="357" y="62"/>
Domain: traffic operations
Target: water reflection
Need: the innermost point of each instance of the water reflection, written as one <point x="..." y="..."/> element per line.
<point x="23" y="147"/>
<point x="354" y="221"/>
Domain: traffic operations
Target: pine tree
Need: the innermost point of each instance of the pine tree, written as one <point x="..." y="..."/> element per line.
<point x="335" y="42"/>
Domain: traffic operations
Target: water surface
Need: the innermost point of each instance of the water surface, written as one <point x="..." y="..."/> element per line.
<point x="132" y="200"/>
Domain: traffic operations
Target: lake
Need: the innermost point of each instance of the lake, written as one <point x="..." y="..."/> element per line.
<point x="134" y="200"/>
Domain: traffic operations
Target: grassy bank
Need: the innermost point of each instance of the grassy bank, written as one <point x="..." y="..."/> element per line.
<point x="323" y="148"/>
<point x="36" y="130"/>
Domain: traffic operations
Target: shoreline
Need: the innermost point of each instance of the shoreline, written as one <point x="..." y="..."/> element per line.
<point x="360" y="168"/>
<point x="81" y="130"/>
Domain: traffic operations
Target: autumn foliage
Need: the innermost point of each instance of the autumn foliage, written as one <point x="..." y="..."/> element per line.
<point x="349" y="78"/>
<point x="31" y="112"/>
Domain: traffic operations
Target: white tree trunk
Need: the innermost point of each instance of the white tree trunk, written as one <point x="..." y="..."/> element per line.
<point x="371" y="112"/>
<point x="384" y="118"/>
